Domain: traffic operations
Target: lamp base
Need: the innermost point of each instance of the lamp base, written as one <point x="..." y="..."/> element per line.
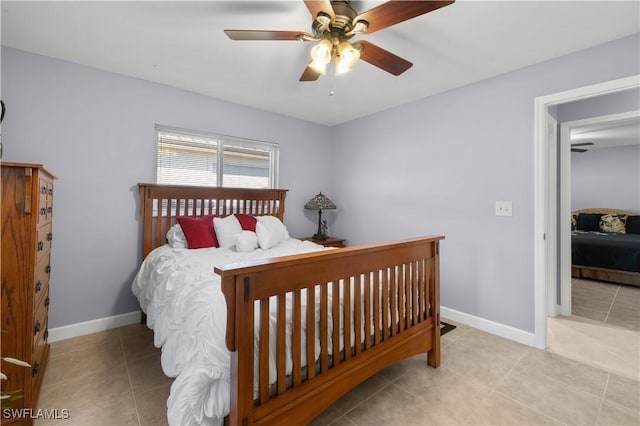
<point x="319" y="237"/>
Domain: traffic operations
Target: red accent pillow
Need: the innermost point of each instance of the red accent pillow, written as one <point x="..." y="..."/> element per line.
<point x="198" y="231"/>
<point x="247" y="221"/>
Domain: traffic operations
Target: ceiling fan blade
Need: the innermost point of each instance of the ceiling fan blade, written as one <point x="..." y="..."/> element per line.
<point x="394" y="12"/>
<point x="578" y="150"/>
<point x="316" y="7"/>
<point x="309" y="74"/>
<point x="265" y="35"/>
<point x="582" y="144"/>
<point x="381" y="58"/>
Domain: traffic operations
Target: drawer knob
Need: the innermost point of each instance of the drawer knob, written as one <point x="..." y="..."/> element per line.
<point x="49" y="236"/>
<point x="43" y="190"/>
<point x="43" y="211"/>
<point x="34" y="369"/>
<point x="40" y="245"/>
<point x="46" y="301"/>
<point x="47" y="269"/>
<point x="36" y="328"/>
<point x="51" y="191"/>
<point x="38" y="286"/>
<point x="45" y="336"/>
<point x="49" y="209"/>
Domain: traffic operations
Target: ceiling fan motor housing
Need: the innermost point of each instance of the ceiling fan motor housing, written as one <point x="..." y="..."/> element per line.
<point x="339" y="26"/>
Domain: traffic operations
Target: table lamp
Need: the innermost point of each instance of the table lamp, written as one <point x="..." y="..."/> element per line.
<point x="320" y="202"/>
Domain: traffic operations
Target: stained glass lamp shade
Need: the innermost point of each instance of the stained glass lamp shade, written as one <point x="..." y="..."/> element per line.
<point x="320" y="202"/>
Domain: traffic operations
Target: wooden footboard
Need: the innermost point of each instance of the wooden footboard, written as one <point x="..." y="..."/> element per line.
<point x="371" y="306"/>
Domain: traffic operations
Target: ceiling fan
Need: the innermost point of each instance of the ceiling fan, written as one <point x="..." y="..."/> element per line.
<point x="580" y="144"/>
<point x="335" y="22"/>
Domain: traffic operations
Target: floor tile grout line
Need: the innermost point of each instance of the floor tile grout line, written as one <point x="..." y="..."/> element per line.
<point x="530" y="408"/>
<point x="529" y="349"/>
<point x="126" y="366"/>
<point x="604" y="392"/>
<point x="615" y="296"/>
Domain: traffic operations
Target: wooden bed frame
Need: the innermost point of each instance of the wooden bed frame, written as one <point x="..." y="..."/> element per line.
<point x="605" y="274"/>
<point x="389" y="310"/>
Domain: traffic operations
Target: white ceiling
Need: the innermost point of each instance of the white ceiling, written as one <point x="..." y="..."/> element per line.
<point x="608" y="134"/>
<point x="182" y="44"/>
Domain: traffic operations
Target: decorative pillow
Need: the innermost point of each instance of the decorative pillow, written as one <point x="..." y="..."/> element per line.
<point x="176" y="238"/>
<point x="574" y="222"/>
<point x="589" y="222"/>
<point x="613" y="223"/>
<point x="247" y="221"/>
<point x="633" y="225"/>
<point x="198" y="231"/>
<point x="226" y="229"/>
<point x="246" y="241"/>
<point x="270" y="231"/>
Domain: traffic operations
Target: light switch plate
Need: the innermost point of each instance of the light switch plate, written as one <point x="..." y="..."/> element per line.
<point x="504" y="208"/>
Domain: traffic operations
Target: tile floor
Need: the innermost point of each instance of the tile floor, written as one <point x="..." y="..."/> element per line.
<point x="114" y="378"/>
<point x="604" y="331"/>
<point x="612" y="304"/>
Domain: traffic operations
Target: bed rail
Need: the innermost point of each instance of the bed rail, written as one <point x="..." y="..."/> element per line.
<point x="386" y="309"/>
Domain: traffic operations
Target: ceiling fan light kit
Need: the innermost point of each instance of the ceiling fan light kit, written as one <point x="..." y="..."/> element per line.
<point x="335" y="22"/>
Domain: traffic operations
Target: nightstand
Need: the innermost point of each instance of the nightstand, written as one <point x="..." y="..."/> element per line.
<point x="329" y="242"/>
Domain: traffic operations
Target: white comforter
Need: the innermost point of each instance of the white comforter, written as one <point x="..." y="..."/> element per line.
<point x="185" y="307"/>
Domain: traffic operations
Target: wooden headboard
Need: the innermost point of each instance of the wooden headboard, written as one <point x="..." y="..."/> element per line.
<point x="161" y="204"/>
<point x="603" y="211"/>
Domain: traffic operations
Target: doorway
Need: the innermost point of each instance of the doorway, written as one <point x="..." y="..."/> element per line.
<point x="609" y="131"/>
<point x="546" y="198"/>
<point x="598" y="320"/>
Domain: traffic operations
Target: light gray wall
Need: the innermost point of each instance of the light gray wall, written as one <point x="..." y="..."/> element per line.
<point x="612" y="103"/>
<point x="437" y="166"/>
<point x="95" y="131"/>
<point x="434" y="166"/>
<point x="607" y="177"/>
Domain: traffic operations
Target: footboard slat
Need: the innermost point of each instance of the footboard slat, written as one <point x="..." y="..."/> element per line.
<point x="296" y="338"/>
<point x="324" y="328"/>
<point x="281" y="344"/>
<point x="357" y="314"/>
<point x="311" y="331"/>
<point x="335" y="317"/>
<point x="346" y="315"/>
<point x="264" y="351"/>
<point x="367" y="311"/>
<point x="359" y="309"/>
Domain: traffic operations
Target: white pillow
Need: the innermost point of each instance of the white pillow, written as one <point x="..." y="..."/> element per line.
<point x="176" y="238"/>
<point x="246" y="241"/>
<point x="226" y="229"/>
<point x="270" y="231"/>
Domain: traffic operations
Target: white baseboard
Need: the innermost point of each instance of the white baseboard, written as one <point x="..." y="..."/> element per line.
<point x="93" y="326"/>
<point x="102" y="324"/>
<point x="492" y="327"/>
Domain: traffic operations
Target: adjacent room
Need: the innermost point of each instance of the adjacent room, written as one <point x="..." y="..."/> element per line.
<point x="317" y="212"/>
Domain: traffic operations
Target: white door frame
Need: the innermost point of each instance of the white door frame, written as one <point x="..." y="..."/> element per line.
<point x="565" y="197"/>
<point x="543" y="203"/>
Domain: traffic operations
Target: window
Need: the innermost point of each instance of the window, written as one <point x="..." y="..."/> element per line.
<point x="187" y="157"/>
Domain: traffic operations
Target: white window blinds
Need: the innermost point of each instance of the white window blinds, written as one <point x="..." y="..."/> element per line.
<point x="191" y="158"/>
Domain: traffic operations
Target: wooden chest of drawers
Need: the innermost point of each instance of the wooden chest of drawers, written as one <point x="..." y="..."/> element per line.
<point x="27" y="209"/>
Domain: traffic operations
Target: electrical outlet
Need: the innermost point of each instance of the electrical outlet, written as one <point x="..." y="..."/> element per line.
<point x="504" y="208"/>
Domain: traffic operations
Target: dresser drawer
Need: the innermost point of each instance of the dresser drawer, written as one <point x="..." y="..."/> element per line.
<point x="43" y="241"/>
<point x="40" y="316"/>
<point x="45" y="211"/>
<point x="38" y="360"/>
<point x="41" y="282"/>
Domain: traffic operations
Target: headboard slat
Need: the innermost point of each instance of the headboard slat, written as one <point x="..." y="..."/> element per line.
<point x="161" y="204"/>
